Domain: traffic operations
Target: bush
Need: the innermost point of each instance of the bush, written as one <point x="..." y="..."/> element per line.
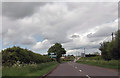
<point x="10" y="56"/>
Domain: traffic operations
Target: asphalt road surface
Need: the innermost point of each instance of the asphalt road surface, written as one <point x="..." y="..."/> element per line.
<point x="72" y="69"/>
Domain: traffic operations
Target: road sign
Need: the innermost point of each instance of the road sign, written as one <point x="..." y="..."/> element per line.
<point x="52" y="55"/>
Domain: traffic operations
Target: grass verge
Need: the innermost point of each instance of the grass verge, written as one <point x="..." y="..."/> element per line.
<point x="96" y="61"/>
<point x="29" y="70"/>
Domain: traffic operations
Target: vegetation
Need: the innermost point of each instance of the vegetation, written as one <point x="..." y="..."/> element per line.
<point x="111" y="50"/>
<point x="99" y="61"/>
<point x="23" y="62"/>
<point x="68" y="58"/>
<point x="11" y="56"/>
<point x="96" y="53"/>
<point x="58" y="50"/>
<point x="29" y="70"/>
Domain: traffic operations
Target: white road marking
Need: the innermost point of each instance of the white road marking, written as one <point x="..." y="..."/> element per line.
<point x="88" y="76"/>
<point x="80" y="70"/>
<point x="76" y="67"/>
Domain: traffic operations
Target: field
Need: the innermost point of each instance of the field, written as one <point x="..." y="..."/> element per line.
<point x="98" y="61"/>
<point x="32" y="70"/>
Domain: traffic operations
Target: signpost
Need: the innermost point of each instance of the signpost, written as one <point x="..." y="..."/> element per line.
<point x="52" y="55"/>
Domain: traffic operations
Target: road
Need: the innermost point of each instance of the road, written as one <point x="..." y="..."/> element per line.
<point x="74" y="70"/>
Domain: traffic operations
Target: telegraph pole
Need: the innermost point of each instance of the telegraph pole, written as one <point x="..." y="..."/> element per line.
<point x="84" y="52"/>
<point x="76" y="53"/>
<point x="112" y="36"/>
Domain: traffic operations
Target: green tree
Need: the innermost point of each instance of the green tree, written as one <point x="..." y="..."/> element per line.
<point x="58" y="50"/>
<point x="105" y="54"/>
<point x="115" y="46"/>
<point x="111" y="50"/>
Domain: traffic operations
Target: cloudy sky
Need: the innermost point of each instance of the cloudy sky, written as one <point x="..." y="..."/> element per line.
<point x="76" y="25"/>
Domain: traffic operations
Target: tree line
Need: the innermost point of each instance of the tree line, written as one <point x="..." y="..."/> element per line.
<point x="11" y="55"/>
<point x="58" y="50"/>
<point x="111" y="49"/>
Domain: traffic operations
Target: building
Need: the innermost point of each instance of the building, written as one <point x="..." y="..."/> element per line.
<point x="82" y="54"/>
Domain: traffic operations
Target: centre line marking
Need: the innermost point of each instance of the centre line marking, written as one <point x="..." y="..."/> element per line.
<point x="88" y="76"/>
<point x="80" y="70"/>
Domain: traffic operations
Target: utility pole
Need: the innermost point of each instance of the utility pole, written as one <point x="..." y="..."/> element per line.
<point x="84" y="52"/>
<point x="112" y="36"/>
<point x="76" y="53"/>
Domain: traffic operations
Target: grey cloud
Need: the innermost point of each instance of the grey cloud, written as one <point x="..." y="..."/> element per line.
<point x="27" y="41"/>
<point x="56" y="22"/>
<point x="75" y="36"/>
<point x="104" y="31"/>
<point x="16" y="10"/>
<point x="56" y="36"/>
<point x="80" y="46"/>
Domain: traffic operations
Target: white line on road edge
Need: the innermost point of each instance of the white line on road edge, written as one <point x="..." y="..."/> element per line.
<point x="80" y="70"/>
<point x="88" y="76"/>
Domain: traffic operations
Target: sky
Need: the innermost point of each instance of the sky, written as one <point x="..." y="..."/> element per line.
<point x="76" y="25"/>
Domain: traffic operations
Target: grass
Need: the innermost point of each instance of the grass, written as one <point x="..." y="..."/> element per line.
<point x="29" y="70"/>
<point x="98" y="61"/>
